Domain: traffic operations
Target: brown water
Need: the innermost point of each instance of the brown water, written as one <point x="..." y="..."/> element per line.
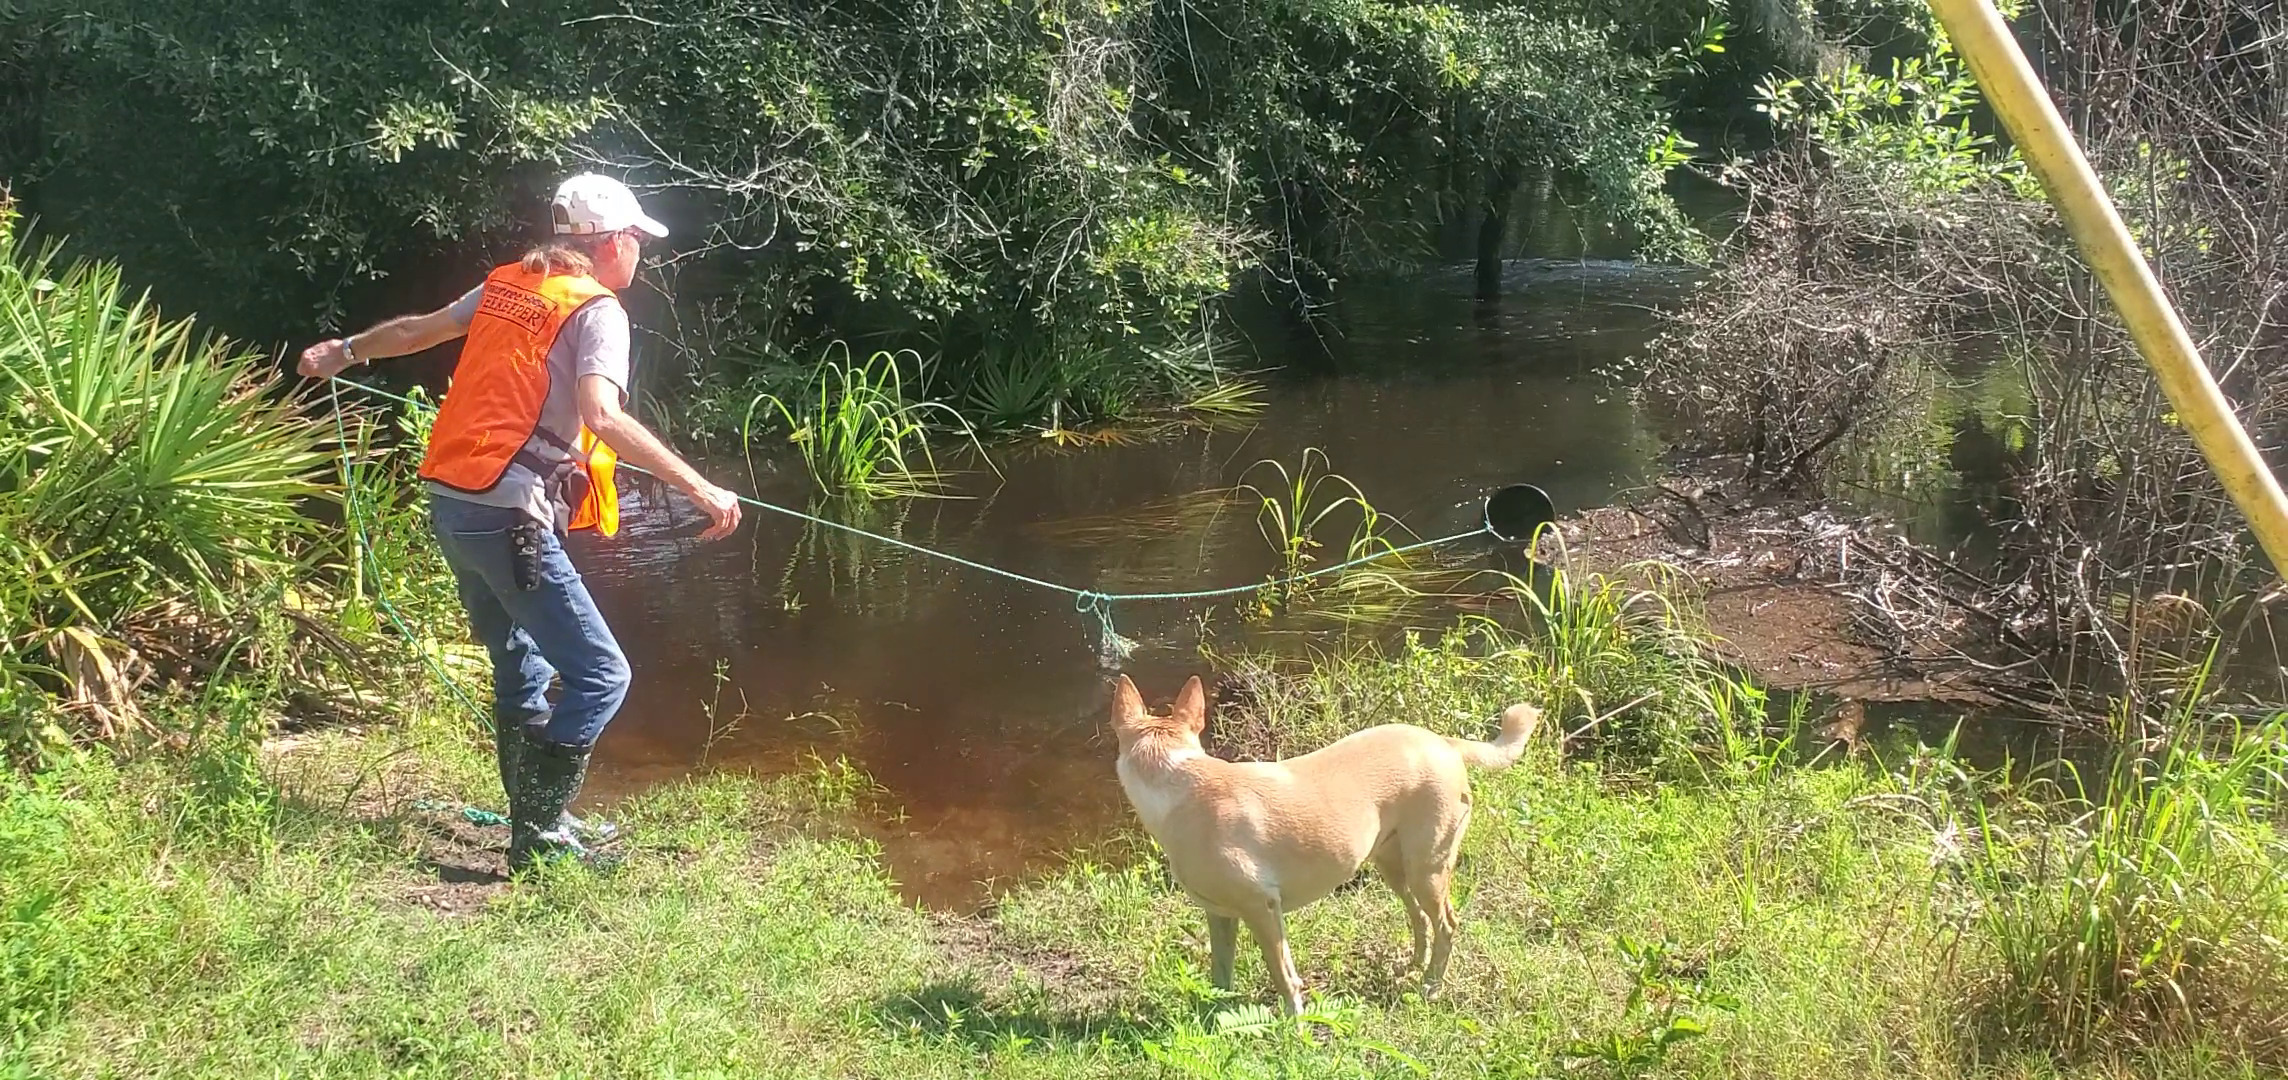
<point x="977" y="703"/>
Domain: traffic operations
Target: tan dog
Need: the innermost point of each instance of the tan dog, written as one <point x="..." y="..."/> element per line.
<point x="1252" y="841"/>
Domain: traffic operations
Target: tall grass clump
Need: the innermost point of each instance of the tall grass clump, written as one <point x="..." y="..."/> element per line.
<point x="2155" y="904"/>
<point x="1628" y="675"/>
<point x="1617" y="671"/>
<point x="1052" y="379"/>
<point x="857" y="431"/>
<point x="141" y="463"/>
<point x="1015" y="386"/>
<point x="1225" y="398"/>
<point x="1291" y="505"/>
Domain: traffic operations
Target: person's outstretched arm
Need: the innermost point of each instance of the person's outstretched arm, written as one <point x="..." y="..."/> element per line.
<point x="601" y="412"/>
<point x="401" y="336"/>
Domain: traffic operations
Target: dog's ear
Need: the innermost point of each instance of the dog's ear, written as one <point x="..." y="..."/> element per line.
<point x="1127" y="703"/>
<point x="1192" y="706"/>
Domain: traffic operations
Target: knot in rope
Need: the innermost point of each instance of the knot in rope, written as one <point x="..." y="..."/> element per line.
<point x="1111" y="648"/>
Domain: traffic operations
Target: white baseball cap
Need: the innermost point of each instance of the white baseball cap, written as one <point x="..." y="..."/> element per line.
<point x="589" y="204"/>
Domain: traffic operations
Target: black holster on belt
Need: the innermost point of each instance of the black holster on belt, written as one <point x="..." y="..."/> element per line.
<point x="566" y="482"/>
<point x="524" y="554"/>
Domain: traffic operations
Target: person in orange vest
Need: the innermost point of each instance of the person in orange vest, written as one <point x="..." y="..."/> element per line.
<point x="521" y="452"/>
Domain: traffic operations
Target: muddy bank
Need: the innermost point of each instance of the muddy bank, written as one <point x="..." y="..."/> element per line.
<point x="1800" y="593"/>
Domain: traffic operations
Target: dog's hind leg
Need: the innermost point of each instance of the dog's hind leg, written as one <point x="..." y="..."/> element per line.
<point x="1223" y="942"/>
<point x="1444" y="924"/>
<point x="1390" y="862"/>
<point x="1433" y="891"/>
<point x="1270" y="931"/>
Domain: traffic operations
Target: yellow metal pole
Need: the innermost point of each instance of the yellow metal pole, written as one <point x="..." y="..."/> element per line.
<point x="2041" y="135"/>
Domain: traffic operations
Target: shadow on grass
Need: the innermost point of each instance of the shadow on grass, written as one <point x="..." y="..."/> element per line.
<point x="961" y="1011"/>
<point x="433" y="838"/>
<point x="467" y="875"/>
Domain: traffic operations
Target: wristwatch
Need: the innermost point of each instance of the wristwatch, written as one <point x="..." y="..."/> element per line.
<point x="350" y="353"/>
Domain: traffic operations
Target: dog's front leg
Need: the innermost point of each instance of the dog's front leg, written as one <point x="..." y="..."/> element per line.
<point x="1223" y="941"/>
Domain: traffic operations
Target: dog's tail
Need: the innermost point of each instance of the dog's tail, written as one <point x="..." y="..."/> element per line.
<point x="1517" y="724"/>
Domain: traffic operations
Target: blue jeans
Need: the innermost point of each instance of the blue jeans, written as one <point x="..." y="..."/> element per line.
<point x="534" y="635"/>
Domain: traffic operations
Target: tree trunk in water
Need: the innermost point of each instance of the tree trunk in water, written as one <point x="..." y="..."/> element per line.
<point x="1493" y="228"/>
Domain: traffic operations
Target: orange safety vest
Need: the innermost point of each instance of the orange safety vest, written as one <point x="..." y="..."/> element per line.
<point x="493" y="406"/>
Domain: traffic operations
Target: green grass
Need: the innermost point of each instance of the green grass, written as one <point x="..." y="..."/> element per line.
<point x="2152" y="898"/>
<point x="215" y="914"/>
<point x="391" y="565"/>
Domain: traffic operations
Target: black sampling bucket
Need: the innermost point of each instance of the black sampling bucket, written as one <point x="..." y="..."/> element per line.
<point x="1514" y="513"/>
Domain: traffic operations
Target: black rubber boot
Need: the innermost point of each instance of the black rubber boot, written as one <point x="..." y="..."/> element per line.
<point x="548" y="777"/>
<point x="508" y="738"/>
<point x="508" y="741"/>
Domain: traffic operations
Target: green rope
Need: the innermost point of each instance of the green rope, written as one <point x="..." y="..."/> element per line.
<point x="356" y="517"/>
<point x="474" y="815"/>
<point x="1111" y="648"/>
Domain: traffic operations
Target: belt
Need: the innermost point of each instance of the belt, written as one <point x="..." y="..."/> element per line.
<point x="564" y="480"/>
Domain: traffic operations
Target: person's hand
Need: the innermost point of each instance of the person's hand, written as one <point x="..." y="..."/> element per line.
<point x="324" y="359"/>
<point x="720" y="505"/>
